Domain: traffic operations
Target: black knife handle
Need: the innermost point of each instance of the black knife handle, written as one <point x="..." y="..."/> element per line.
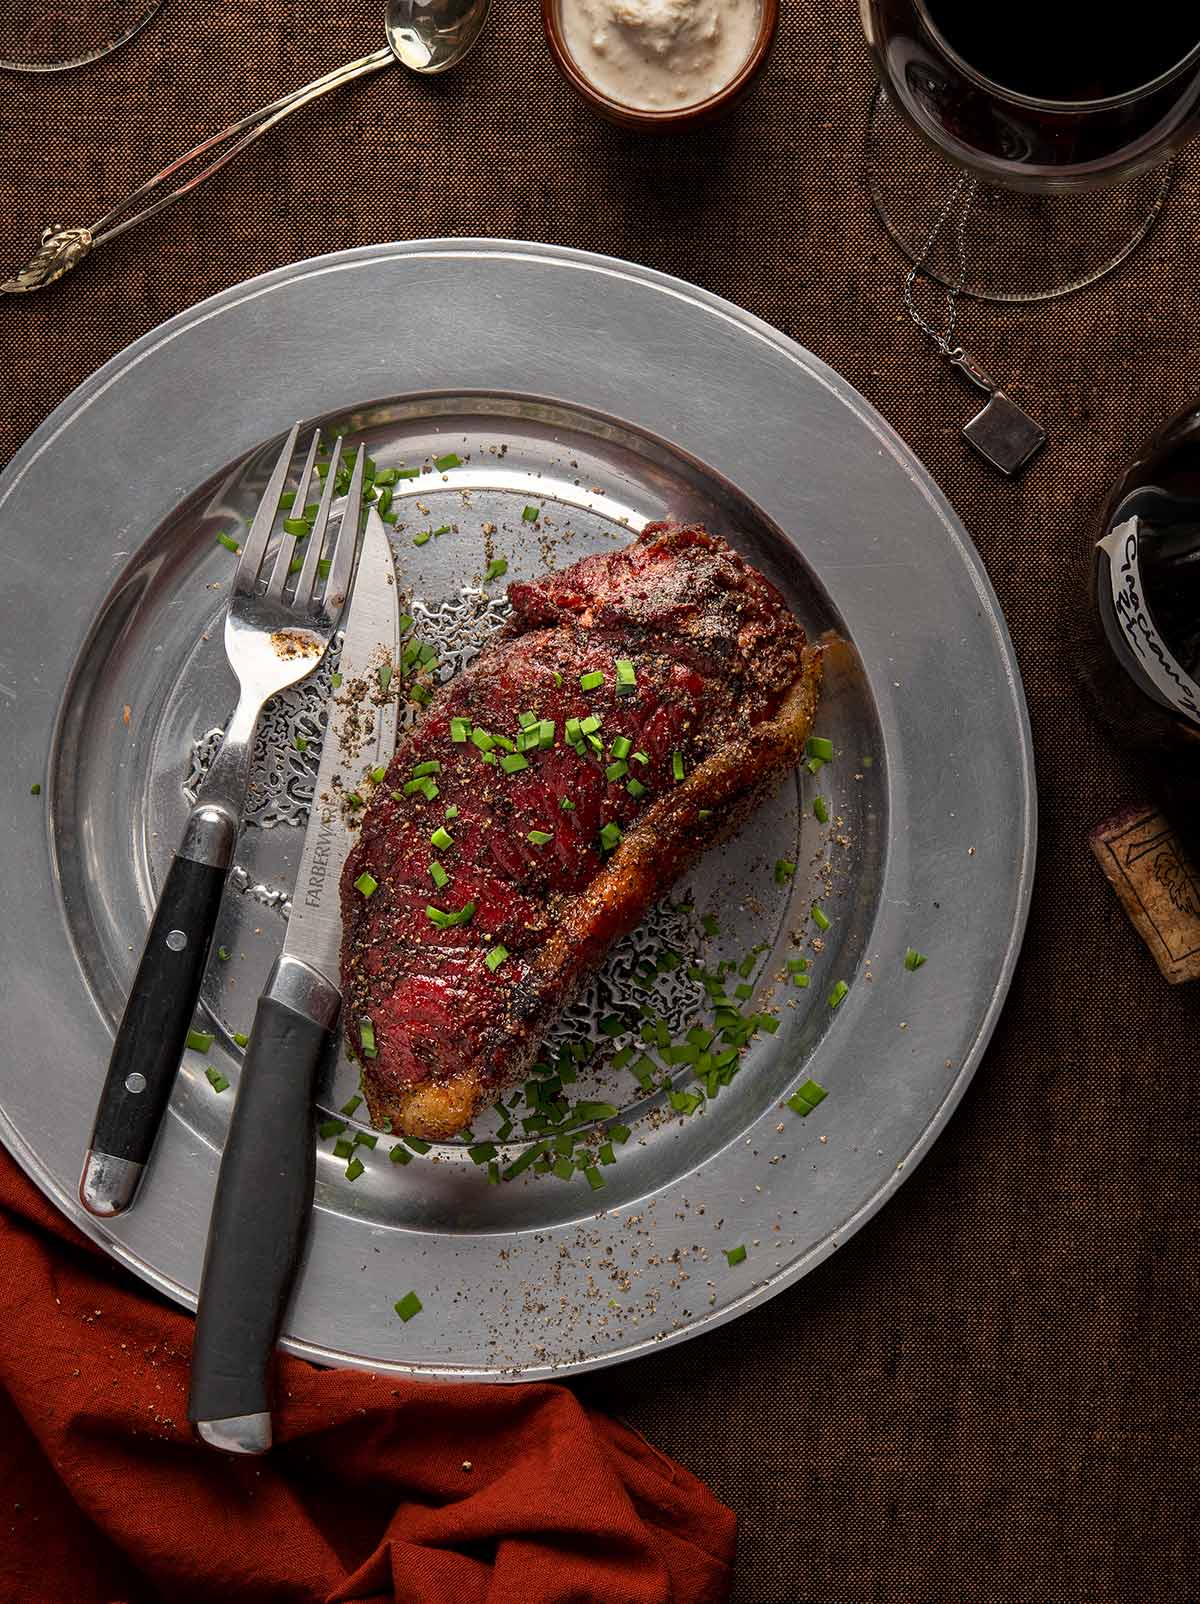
<point x="152" y="1034"/>
<point x="261" y="1209"/>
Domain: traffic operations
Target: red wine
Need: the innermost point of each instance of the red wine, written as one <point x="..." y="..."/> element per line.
<point x="1067" y="49"/>
<point x="1110" y="103"/>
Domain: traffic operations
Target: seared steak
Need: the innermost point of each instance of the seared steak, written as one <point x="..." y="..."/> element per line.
<point x="633" y="711"/>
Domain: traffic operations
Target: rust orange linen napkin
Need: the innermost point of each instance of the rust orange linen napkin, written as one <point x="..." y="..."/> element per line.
<point x="378" y="1488"/>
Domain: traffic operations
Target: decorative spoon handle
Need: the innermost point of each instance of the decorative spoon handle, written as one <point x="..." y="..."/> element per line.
<point x="63" y="248"/>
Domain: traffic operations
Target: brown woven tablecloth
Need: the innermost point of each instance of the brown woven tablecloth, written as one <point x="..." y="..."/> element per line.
<point x="991" y="1393"/>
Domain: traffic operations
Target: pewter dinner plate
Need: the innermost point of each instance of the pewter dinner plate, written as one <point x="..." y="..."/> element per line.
<point x="603" y="395"/>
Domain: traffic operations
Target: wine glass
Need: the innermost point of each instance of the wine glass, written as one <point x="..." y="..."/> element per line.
<point x="56" y="35"/>
<point x="1042" y="104"/>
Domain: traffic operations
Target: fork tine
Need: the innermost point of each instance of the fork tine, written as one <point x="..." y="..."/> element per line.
<point x="316" y="540"/>
<point x="264" y="519"/>
<point x="348" y="536"/>
<point x="286" y="549"/>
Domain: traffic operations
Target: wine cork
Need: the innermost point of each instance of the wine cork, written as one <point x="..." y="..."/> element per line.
<point x="1158" y="884"/>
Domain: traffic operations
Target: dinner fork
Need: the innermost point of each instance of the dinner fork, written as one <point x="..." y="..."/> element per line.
<point x="276" y="632"/>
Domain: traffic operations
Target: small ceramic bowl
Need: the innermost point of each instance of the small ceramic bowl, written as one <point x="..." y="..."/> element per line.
<point x="677" y="116"/>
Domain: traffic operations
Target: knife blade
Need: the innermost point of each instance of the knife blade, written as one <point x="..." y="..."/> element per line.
<point x="265" y="1188"/>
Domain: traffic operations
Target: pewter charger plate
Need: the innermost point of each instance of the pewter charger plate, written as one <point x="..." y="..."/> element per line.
<point x="604" y="395"/>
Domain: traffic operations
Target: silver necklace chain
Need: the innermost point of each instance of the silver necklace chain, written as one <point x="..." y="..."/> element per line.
<point x="962" y="193"/>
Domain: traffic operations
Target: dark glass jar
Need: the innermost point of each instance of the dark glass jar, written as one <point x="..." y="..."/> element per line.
<point x="1143" y="668"/>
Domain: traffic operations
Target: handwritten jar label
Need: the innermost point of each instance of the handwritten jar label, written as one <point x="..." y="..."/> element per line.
<point x="1155" y="657"/>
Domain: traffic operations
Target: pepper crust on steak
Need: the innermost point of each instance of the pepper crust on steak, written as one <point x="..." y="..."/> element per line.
<point x="723" y="676"/>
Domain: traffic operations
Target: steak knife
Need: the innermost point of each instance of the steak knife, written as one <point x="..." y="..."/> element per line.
<point x="265" y="1187"/>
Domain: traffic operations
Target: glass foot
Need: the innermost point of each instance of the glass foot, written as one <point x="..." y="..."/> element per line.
<point x="48" y="36"/>
<point x="1019" y="247"/>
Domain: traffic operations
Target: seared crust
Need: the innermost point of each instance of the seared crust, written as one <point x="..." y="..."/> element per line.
<point x="724" y="677"/>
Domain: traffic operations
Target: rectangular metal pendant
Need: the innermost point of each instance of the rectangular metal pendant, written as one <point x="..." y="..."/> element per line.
<point x="1004" y="435"/>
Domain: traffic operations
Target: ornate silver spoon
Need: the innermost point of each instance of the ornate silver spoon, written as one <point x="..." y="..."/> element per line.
<point x="427" y="36"/>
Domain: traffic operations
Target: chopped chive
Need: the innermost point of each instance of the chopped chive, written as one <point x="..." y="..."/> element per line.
<point x="459" y="730"/>
<point x="496" y="957"/>
<point x="366" y="1037"/>
<point x="820" y="917"/>
<point x="481" y="1152"/>
<point x="820" y="809"/>
<point x="216" y="1080"/>
<point x="330" y="1127"/>
<point x="546" y="729"/>
<point x="229" y="543"/>
<point x="530" y="515"/>
<point x="621" y="746"/>
<point x="288" y="500"/>
<point x="450" y="460"/>
<point x="839" y="991"/>
<point x="735" y="1255"/>
<point x="366" y="883"/>
<point x="240" y="1039"/>
<point x="677" y="765"/>
<point x="296" y="564"/>
<point x="641" y="757"/>
<point x="423" y="538"/>
<point x="482" y="740"/>
<point x="626" y="676"/>
<point x="635" y="788"/>
<point x="590" y="724"/>
<point x="567" y="805"/>
<point x="377" y="774"/>
<point x="441" y="838"/>
<point x="540" y="838"/>
<point x="224" y="954"/>
<point x="417" y="1145"/>
<point x="200" y="1040"/>
<point x="343" y="1148"/>
<point x="495" y="569"/>
<point x="295" y="526"/>
<point x="709" y="925"/>
<point x="385" y="677"/>
<point x="408" y="473"/>
<point x="704" y="813"/>
<point x="400" y="1154"/>
<point x="785" y="870"/>
<point x="430" y="766"/>
<point x="335" y="679"/>
<point x="452" y="811"/>
<point x="610" y="836"/>
<point x="815" y="765"/>
<point x="408" y="1305"/>
<point x="300" y="743"/>
<point x="448" y="921"/>
<point x="365" y="1139"/>
<point x="817" y="746"/>
<point x="617" y="770"/>
<point x="514" y="762"/>
<point x="594" y="1178"/>
<point x="354" y="800"/>
<point x="592" y="681"/>
<point x="619" y="1134"/>
<point x="438" y="874"/>
<point x="802" y="981"/>
<point x="354" y="1102"/>
<point x="914" y="959"/>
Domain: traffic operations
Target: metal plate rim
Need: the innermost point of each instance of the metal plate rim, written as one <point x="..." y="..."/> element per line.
<point x="76" y="406"/>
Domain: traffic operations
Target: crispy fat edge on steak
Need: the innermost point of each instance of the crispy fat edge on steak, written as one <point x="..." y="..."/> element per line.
<point x="666" y="841"/>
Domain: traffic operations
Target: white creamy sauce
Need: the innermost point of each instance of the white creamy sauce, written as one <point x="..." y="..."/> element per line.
<point x="658" y="55"/>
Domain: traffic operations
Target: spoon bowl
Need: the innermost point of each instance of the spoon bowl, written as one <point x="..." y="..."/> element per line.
<point x="431" y="36"/>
